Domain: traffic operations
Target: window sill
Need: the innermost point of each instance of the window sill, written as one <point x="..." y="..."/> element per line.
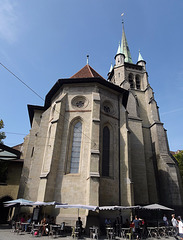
<point x="3" y="184"/>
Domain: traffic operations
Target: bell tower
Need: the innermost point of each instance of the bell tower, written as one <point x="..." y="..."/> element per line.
<point x="152" y="168"/>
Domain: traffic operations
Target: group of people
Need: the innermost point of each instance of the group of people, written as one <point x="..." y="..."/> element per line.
<point x="138" y="226"/>
<point x="44" y="223"/>
<point x="25" y="220"/>
<point x="177" y="224"/>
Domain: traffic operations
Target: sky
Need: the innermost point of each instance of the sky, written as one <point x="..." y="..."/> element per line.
<point x="42" y="41"/>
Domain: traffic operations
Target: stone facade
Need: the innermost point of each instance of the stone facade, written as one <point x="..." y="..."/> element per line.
<point x="123" y="156"/>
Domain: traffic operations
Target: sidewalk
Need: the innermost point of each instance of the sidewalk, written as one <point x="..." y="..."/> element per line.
<point x="7" y="234"/>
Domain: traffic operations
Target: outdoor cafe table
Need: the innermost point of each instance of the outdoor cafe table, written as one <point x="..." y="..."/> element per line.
<point x="23" y="225"/>
<point x="17" y="227"/>
<point x="124" y="231"/>
<point x="153" y="232"/>
<point x="54" y="229"/>
<point x="37" y="228"/>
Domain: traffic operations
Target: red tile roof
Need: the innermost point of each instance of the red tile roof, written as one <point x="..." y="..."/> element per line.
<point x="87" y="72"/>
<point x="18" y="147"/>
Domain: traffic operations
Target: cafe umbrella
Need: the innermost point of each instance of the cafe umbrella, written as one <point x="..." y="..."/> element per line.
<point x="41" y="204"/>
<point x="17" y="202"/>
<point x="119" y="207"/>
<point x="38" y="203"/>
<point x="77" y="206"/>
<point x="158" y="208"/>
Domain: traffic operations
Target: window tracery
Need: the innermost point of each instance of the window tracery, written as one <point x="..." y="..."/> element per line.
<point x="76" y="148"/>
<point x="130" y="80"/>
<point x="137" y="80"/>
<point x="106" y="152"/>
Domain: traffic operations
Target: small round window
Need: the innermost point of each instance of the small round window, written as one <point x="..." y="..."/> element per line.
<point x="79" y="102"/>
<point x="107" y="107"/>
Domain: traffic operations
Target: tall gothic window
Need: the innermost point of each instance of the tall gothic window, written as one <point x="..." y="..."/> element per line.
<point x="76" y="148"/>
<point x="137" y="79"/>
<point x="130" y="79"/>
<point x="106" y="152"/>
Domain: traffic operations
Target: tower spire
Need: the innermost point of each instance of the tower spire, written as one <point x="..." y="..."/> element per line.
<point x="119" y="49"/>
<point x="140" y="58"/>
<point x="124" y="46"/>
<point x="141" y="61"/>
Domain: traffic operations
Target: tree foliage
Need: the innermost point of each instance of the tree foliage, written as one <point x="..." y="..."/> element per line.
<point x="3" y="164"/>
<point x="2" y="134"/>
<point x="179" y="158"/>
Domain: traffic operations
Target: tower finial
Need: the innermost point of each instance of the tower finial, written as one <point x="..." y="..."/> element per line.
<point x="87" y="61"/>
<point x="122" y="17"/>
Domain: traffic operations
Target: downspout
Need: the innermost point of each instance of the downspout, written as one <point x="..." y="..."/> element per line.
<point x="119" y="152"/>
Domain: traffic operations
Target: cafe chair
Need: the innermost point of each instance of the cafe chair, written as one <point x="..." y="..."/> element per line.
<point x="94" y="233"/>
<point x="75" y="232"/>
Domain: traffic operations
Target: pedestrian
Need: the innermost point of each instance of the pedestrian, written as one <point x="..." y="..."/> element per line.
<point x="165" y="220"/>
<point x="175" y="225"/>
<point x="136" y="222"/>
<point x="180" y="226"/>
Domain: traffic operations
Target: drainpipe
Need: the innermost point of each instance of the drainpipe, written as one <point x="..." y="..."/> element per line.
<point x="119" y="151"/>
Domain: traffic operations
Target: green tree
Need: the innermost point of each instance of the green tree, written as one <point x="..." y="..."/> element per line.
<point x="2" y="134"/>
<point x="3" y="164"/>
<point x="179" y="158"/>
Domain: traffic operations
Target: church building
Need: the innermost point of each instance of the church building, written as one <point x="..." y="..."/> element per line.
<point x="100" y="142"/>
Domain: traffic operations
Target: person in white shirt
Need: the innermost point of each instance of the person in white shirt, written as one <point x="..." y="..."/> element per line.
<point x="175" y="225"/>
<point x="180" y="225"/>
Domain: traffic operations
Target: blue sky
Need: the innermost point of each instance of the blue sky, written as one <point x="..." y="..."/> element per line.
<point x="44" y="40"/>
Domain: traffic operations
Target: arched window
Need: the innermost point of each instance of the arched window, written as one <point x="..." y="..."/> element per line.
<point x="76" y="148"/>
<point x="106" y="152"/>
<point x="130" y="79"/>
<point x="137" y="80"/>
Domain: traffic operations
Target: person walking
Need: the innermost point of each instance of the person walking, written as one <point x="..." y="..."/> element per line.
<point x="180" y="226"/>
<point x="175" y="225"/>
<point x="136" y="222"/>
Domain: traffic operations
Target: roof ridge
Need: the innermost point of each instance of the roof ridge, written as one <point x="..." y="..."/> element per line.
<point x="86" y="72"/>
<point x="95" y="72"/>
<point x="89" y="68"/>
<point x="78" y="71"/>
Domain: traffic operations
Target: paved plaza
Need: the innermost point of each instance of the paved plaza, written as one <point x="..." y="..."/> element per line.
<point x="7" y="234"/>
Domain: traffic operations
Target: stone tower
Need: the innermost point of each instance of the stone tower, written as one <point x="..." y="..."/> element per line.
<point x="154" y="171"/>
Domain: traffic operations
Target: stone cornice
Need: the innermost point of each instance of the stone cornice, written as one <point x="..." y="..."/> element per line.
<point x="134" y="118"/>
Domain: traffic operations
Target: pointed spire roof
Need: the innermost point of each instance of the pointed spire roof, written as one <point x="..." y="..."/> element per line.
<point x="124" y="47"/>
<point x="87" y="72"/>
<point x="140" y="58"/>
<point x="111" y="68"/>
<point x="119" y="51"/>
